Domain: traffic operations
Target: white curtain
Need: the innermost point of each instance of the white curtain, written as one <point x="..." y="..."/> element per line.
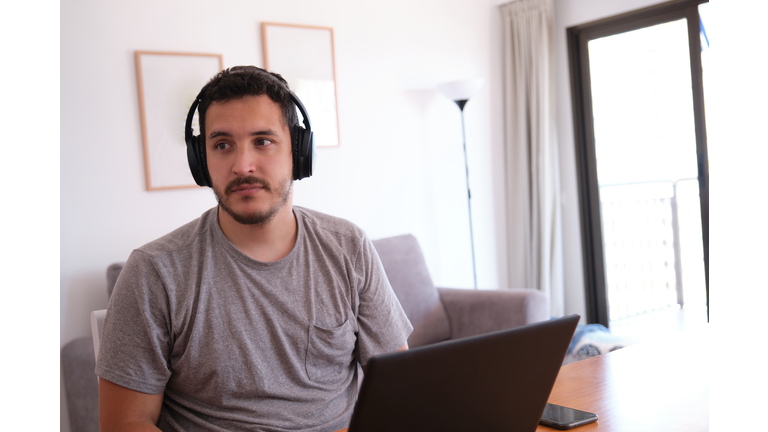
<point x="532" y="179"/>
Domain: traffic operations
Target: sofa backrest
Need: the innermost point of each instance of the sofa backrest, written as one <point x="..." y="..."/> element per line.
<point x="407" y="272"/>
<point x="113" y="271"/>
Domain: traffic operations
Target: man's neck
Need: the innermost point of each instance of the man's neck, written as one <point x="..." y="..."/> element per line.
<point x="269" y="242"/>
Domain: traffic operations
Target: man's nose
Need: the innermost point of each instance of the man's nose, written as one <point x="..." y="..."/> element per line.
<point x="244" y="161"/>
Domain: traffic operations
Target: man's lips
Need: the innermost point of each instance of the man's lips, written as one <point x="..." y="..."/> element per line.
<point x="247" y="188"/>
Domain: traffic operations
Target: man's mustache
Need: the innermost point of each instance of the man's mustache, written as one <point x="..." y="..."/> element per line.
<point x="239" y="181"/>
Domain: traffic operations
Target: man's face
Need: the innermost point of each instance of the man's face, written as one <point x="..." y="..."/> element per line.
<point x="249" y="158"/>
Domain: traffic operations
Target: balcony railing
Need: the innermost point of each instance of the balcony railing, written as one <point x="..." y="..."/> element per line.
<point x="643" y="248"/>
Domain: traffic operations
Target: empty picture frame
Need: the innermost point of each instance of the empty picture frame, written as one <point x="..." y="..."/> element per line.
<point x="168" y="83"/>
<point x="304" y="56"/>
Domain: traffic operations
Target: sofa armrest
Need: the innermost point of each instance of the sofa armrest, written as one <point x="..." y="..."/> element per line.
<point x="474" y="312"/>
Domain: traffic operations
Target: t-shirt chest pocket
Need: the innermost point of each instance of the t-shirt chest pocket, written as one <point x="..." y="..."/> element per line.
<point x="330" y="352"/>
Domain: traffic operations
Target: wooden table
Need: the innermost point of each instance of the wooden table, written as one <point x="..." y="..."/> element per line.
<point x="648" y="387"/>
<point x="652" y="386"/>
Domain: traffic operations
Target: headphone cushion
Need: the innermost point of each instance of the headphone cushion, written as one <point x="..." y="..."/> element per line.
<point x="198" y="164"/>
<point x="297" y="140"/>
<point x="200" y="146"/>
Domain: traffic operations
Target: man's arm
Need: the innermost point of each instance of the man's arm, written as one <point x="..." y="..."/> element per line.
<point x="403" y="348"/>
<point x="123" y="409"/>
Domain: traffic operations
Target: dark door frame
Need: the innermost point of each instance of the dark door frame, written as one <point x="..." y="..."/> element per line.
<point x="589" y="200"/>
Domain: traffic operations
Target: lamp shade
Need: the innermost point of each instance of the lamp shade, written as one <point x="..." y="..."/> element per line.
<point x="460" y="90"/>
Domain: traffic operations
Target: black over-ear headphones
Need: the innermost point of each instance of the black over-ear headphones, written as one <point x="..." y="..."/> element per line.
<point x="302" y="143"/>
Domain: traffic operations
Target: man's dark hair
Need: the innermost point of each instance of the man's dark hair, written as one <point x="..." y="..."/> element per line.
<point x="240" y="81"/>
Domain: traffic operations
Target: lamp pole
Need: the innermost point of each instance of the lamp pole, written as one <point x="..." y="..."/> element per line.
<point x="460" y="92"/>
<point x="461" y="104"/>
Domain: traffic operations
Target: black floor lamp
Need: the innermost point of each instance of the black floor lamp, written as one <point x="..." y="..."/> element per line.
<point x="460" y="92"/>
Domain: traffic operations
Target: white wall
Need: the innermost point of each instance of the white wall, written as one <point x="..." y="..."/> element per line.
<point x="399" y="168"/>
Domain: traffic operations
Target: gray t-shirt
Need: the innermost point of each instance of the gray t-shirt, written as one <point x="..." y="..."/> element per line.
<point x="239" y="344"/>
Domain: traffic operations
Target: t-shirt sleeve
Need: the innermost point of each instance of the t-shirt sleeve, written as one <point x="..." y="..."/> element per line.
<point x="382" y="323"/>
<point x="135" y="342"/>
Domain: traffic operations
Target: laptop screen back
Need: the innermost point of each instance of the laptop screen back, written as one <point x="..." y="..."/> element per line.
<point x="493" y="382"/>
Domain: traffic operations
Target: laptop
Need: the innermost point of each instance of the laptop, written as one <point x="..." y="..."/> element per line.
<point x="493" y="382"/>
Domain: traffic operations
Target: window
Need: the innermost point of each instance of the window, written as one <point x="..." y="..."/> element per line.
<point x="637" y="91"/>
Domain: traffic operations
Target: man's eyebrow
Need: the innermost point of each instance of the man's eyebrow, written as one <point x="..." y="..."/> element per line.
<point x="216" y="134"/>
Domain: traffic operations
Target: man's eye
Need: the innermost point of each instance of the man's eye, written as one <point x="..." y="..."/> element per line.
<point x="263" y="142"/>
<point x="222" y="146"/>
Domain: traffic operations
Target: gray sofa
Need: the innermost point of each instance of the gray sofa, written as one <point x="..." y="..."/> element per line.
<point x="78" y="363"/>
<point x="440" y="314"/>
<point x="437" y="314"/>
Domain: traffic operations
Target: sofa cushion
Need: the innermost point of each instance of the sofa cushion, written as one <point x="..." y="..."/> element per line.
<point x="407" y="272"/>
<point x="81" y="385"/>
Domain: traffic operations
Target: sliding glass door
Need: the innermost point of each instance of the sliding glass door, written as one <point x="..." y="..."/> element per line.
<point x="641" y="146"/>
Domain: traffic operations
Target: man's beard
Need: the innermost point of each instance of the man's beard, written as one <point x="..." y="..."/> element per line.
<point x="255" y="218"/>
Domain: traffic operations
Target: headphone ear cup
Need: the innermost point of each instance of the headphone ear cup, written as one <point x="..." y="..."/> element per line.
<point x="303" y="152"/>
<point x="197" y="161"/>
<point x="297" y="137"/>
<point x="198" y="165"/>
<point x="203" y="161"/>
<point x="311" y="154"/>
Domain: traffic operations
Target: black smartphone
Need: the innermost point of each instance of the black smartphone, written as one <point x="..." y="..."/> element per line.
<point x="560" y="417"/>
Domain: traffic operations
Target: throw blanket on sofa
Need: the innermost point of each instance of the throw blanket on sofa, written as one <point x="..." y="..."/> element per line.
<point x="592" y="340"/>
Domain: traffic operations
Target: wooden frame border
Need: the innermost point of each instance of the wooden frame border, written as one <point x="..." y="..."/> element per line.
<point x="142" y="112"/>
<point x="265" y="52"/>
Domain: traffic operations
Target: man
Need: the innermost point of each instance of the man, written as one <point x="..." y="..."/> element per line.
<point x="255" y="315"/>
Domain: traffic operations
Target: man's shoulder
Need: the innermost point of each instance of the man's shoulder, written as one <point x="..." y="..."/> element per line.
<point x="180" y="238"/>
<point x="328" y="224"/>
